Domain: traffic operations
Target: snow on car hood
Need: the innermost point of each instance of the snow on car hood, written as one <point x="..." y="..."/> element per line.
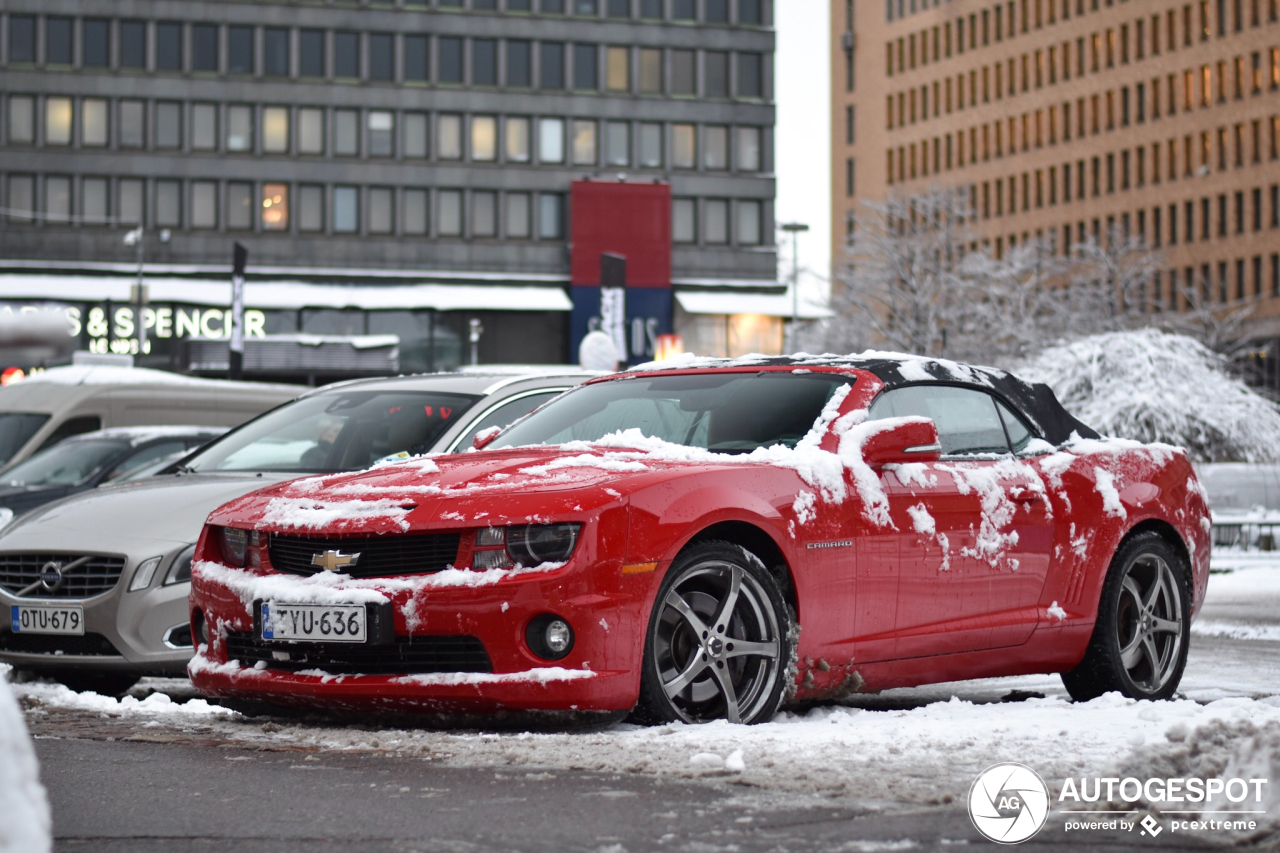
<point x="169" y="509"/>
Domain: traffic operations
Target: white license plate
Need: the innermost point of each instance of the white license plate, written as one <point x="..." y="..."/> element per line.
<point x="314" y="623"/>
<point x="47" y="619"/>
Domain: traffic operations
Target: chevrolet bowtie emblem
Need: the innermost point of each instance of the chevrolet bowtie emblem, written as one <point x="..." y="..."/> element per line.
<point x="331" y="561"/>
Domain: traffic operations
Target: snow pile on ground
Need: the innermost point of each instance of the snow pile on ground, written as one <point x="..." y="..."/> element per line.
<point x="26" y="826"/>
<point x="1156" y="387"/>
<point x="157" y="705"/>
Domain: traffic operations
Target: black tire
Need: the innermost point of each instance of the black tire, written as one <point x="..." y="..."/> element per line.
<point x="106" y="683"/>
<point x="697" y="665"/>
<point x="1143" y="629"/>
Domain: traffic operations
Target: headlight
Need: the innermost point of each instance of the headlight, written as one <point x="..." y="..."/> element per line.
<point x="180" y="571"/>
<point x="145" y="572"/>
<point x="234" y="544"/>
<point x="535" y="544"/>
<point x="6" y="516"/>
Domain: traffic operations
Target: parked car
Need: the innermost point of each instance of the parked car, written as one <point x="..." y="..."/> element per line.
<point x="1245" y="501"/>
<point x="654" y="542"/>
<point x="46" y="408"/>
<point x="88" y="460"/>
<point x="97" y="584"/>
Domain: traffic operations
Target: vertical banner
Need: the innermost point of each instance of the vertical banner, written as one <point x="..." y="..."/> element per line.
<point x="241" y="256"/>
<point x="613" y="302"/>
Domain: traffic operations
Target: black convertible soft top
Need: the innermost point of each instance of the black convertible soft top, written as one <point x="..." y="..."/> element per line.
<point x="1035" y="401"/>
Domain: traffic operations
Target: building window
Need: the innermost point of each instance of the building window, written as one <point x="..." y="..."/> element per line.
<point x="584" y="143"/>
<point x="97" y="43"/>
<point x="415" y="59"/>
<point x="751" y="12"/>
<point x="484" y="138"/>
<point x="650" y="71"/>
<point x="22" y="196"/>
<point x="240" y="49"/>
<point x="132" y="124"/>
<point x="57" y="121"/>
<point x="650" y="146"/>
<point x="22" y="128"/>
<point x="749" y="221"/>
<point x="94" y="128"/>
<point x="749" y="149"/>
<point x="450" y="50"/>
<point x="517" y="140"/>
<point x="551" y="65"/>
<point x="22" y="39"/>
<point x="716" y="69"/>
<point x="346" y="210"/>
<point x="381" y="125"/>
<point x="94" y="205"/>
<point x="449" y="137"/>
<point x="381" y="210"/>
<point x="717" y="11"/>
<point x="310" y="53"/>
<point x="275" y="130"/>
<point x="129" y="200"/>
<point x="651" y="10"/>
<point x="275" y="207"/>
<point x="168" y="204"/>
<point x="275" y="52"/>
<point x="585" y="72"/>
<point x="484" y="214"/>
<point x="57" y="198"/>
<point x="617" y="143"/>
<point x="684" y="220"/>
<point x="310" y="208"/>
<point x="619" y="9"/>
<point x="585" y="7"/>
<point x="618" y="69"/>
<point x="484" y="62"/>
<point x="204" y="47"/>
<point x="715" y="221"/>
<point x="239" y="127"/>
<point x="519" y="64"/>
<point x="168" y="125"/>
<point x="415" y="134"/>
<point x="517" y="216"/>
<point x="346" y="56"/>
<point x="750" y="75"/>
<point x="382" y="59"/>
<point x="204" y="204"/>
<point x="715" y="147"/>
<point x="684" y="10"/>
<point x="415" y="211"/>
<point x="551" y="140"/>
<point x="204" y="127"/>
<point x="684" y="78"/>
<point x="310" y="130"/>
<point x="346" y="133"/>
<point x="239" y="206"/>
<point x="684" y="146"/>
<point x="551" y="216"/>
<point x="450" y="218"/>
<point x="133" y="45"/>
<point x="168" y="52"/>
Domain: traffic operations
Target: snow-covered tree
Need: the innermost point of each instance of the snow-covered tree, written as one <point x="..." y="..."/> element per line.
<point x="1153" y="386"/>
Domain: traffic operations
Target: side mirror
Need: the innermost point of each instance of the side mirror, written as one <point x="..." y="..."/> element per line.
<point x="485" y="437"/>
<point x="902" y="440"/>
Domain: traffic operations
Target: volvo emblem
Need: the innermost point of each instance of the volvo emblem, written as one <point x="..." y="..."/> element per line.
<point x="331" y="561"/>
<point x="51" y="576"/>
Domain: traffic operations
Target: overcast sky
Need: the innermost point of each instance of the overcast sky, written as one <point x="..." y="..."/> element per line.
<point x="803" y="155"/>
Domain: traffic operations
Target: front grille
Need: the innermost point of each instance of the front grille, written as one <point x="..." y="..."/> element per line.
<point x="98" y="575"/>
<point x="405" y="656"/>
<point x="380" y="556"/>
<point x="52" y="644"/>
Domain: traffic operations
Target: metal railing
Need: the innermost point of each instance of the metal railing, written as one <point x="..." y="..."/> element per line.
<point x="1247" y="535"/>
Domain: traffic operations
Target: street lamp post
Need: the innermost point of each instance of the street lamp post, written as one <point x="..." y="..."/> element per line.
<point x="136" y="237"/>
<point x="795" y="229"/>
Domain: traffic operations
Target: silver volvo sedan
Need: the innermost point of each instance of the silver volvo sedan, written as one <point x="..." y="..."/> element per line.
<point x="96" y="585"/>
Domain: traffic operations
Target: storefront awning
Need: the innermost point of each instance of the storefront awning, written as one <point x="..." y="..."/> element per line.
<point x="703" y="302"/>
<point x="289" y="294"/>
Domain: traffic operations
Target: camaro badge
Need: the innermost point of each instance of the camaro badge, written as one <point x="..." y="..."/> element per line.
<point x="331" y="561"/>
<point x="840" y="543"/>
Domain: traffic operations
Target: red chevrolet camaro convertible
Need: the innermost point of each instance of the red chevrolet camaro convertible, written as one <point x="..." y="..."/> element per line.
<point x="711" y="540"/>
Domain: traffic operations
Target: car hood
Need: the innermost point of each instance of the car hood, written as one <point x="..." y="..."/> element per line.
<point x="163" y="510"/>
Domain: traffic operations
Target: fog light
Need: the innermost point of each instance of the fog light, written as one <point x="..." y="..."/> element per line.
<point x="549" y="637"/>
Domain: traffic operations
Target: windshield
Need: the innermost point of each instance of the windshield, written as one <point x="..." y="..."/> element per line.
<point x="338" y="431"/>
<point x="66" y="464"/>
<point x="16" y="430"/>
<point x="723" y="412"/>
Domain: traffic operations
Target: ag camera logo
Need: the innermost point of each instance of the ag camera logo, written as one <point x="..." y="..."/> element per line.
<point x="1009" y="803"/>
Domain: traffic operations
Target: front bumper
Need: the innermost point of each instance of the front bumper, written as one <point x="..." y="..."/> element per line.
<point x="606" y="610"/>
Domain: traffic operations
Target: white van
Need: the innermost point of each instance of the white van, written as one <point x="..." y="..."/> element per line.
<point x="61" y="402"/>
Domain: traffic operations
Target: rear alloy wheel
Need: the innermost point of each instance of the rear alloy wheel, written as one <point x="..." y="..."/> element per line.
<point x="1140" y="640"/>
<point x="719" y="640"/>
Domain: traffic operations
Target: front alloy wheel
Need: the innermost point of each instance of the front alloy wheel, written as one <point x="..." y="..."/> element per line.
<point x="719" y="640"/>
<point x="1139" y="644"/>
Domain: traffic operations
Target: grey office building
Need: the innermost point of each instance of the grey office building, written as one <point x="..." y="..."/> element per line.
<point x="393" y="167"/>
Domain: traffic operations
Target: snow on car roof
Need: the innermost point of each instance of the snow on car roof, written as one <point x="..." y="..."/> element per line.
<point x="99" y="374"/>
<point x="1034" y="401"/>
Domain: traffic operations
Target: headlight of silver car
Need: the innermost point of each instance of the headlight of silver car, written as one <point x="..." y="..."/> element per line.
<point x="180" y="571"/>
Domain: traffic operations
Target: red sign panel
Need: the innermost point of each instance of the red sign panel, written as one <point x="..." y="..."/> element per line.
<point x="632" y="221"/>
